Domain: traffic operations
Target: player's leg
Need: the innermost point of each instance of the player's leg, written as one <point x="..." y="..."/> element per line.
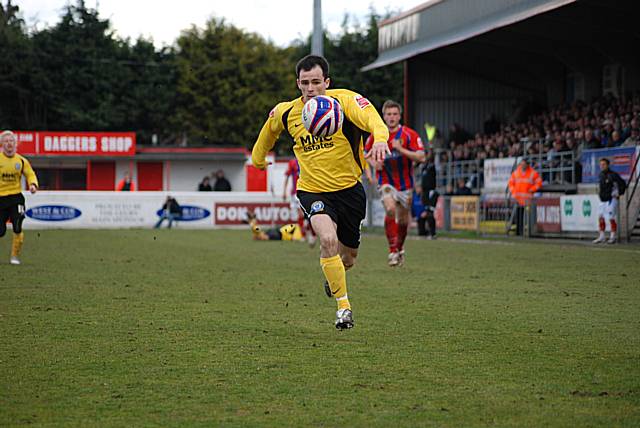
<point x="330" y="259"/>
<point x="16" y="214"/>
<point x="256" y="232"/>
<point x="159" y="222"/>
<point x="431" y="222"/>
<point x="4" y="216"/>
<point x="403" y="216"/>
<point x="602" y="207"/>
<point x="352" y="207"/>
<point x="612" y="214"/>
<point x="390" y="224"/>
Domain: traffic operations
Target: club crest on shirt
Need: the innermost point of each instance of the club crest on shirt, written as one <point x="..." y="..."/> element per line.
<point x="17" y="166"/>
<point x="362" y="101"/>
<point x="317" y="206"/>
<point x="272" y="112"/>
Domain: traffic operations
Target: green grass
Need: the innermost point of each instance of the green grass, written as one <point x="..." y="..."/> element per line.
<point x="208" y="328"/>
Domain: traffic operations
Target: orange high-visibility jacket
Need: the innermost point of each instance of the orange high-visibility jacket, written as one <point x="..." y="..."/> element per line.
<point x="524" y="184"/>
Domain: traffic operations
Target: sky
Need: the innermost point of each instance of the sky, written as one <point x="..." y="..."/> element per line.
<point x="162" y="20"/>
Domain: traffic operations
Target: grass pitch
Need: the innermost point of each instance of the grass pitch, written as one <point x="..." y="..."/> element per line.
<point x="208" y="328"/>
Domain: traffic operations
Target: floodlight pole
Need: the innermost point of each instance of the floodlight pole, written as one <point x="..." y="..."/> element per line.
<point x="317" y="38"/>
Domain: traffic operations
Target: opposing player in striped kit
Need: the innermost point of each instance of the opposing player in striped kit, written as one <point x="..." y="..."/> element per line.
<point x="395" y="178"/>
<point x="12" y="168"/>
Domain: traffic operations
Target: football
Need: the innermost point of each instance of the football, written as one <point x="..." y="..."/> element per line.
<point x="322" y="116"/>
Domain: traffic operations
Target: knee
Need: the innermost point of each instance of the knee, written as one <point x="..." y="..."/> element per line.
<point x="348" y="262"/>
<point x="348" y="259"/>
<point x="329" y="242"/>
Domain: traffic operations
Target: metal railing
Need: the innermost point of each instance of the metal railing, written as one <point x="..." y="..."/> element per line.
<point x="561" y="170"/>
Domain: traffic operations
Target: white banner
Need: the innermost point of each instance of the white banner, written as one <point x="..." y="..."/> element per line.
<point x="497" y="173"/>
<point x="113" y="210"/>
<point x="579" y="213"/>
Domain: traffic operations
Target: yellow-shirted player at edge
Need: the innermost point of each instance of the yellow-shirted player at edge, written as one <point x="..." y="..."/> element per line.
<point x="12" y="168"/>
<point x="329" y="187"/>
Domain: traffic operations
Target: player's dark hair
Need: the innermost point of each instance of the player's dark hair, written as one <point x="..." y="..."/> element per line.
<point x="310" y="61"/>
<point x="391" y="104"/>
<point x="605" y="160"/>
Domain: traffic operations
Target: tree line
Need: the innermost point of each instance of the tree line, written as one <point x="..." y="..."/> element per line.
<point x="214" y="86"/>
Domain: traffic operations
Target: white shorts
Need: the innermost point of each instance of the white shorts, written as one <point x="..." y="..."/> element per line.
<point x="608" y="210"/>
<point x="403" y="197"/>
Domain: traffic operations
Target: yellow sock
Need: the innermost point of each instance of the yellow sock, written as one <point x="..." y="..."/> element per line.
<point x="255" y="229"/>
<point x="16" y="245"/>
<point x="334" y="272"/>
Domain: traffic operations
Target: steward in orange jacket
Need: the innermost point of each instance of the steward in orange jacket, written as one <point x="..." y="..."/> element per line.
<point x="524" y="182"/>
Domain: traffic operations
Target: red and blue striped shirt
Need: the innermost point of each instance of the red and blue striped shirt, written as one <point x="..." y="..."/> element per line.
<point x="397" y="169"/>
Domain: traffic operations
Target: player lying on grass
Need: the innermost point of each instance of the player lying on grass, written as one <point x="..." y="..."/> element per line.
<point x="288" y="232"/>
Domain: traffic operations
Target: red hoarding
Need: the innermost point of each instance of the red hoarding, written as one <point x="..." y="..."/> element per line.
<point x="548" y="214"/>
<point x="26" y="142"/>
<point x="48" y="143"/>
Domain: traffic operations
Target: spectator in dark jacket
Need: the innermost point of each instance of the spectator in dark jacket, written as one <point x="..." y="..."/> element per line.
<point x="462" y="189"/>
<point x="205" y="185"/>
<point x="221" y="184"/>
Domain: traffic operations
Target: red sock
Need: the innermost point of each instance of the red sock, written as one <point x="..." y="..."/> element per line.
<point x="391" y="230"/>
<point x="402" y="234"/>
<point x="614" y="225"/>
<point x="601" y="224"/>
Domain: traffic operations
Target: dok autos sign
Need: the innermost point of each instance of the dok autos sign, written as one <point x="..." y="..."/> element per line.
<point x="621" y="161"/>
<point x="234" y="213"/>
<point x="77" y="143"/>
<point x="579" y="213"/>
<point x="548" y="214"/>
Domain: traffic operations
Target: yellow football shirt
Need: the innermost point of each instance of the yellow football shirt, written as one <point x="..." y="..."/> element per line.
<point x="291" y="232"/>
<point x="327" y="164"/>
<point x="11" y="171"/>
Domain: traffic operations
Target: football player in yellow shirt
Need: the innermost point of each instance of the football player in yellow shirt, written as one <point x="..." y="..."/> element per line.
<point x="12" y="168"/>
<point x="288" y="232"/>
<point x="329" y="187"/>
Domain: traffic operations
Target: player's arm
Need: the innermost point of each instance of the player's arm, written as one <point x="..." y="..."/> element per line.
<point x="413" y="152"/>
<point x="370" y="164"/>
<point x="622" y="185"/>
<point x="267" y="138"/>
<point x="365" y="116"/>
<point x="30" y="175"/>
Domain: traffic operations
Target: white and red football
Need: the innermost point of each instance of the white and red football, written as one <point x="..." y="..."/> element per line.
<point x="322" y="116"/>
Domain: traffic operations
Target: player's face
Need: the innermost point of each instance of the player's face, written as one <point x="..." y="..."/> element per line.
<point x="312" y="83"/>
<point x="8" y="145"/>
<point x="603" y="166"/>
<point x="391" y="117"/>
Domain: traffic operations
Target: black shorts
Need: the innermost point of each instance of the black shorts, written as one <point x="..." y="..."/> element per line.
<point x="347" y="208"/>
<point x="12" y="207"/>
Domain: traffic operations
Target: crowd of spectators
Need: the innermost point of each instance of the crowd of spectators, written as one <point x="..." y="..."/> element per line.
<point x="606" y="122"/>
